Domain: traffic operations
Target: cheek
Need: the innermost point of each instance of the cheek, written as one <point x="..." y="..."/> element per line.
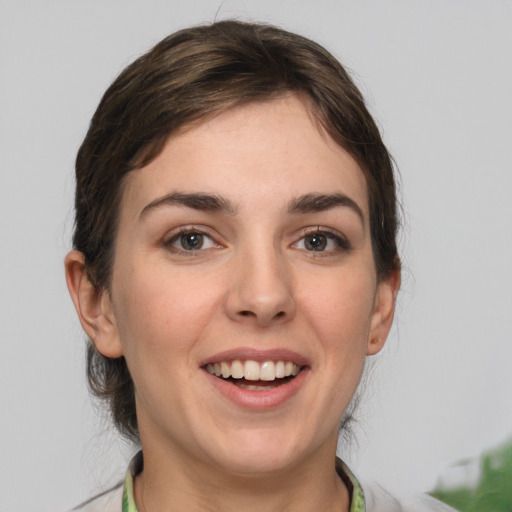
<point x="340" y="308"/>
<point x="161" y="316"/>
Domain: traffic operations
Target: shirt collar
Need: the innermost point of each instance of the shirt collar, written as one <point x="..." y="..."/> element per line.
<point x="356" y="503"/>
<point x="134" y="469"/>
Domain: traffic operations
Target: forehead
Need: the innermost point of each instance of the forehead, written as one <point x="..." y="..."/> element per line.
<point x="254" y="153"/>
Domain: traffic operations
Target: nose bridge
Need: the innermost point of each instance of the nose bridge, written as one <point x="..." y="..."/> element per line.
<point x="262" y="288"/>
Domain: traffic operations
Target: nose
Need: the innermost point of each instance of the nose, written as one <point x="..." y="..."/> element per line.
<point x="261" y="290"/>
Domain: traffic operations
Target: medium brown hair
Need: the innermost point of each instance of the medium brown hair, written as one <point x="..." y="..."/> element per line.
<point x="188" y="77"/>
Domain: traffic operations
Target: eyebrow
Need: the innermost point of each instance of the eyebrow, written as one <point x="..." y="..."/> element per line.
<point x="311" y="203"/>
<point x="197" y="201"/>
<point x="308" y="203"/>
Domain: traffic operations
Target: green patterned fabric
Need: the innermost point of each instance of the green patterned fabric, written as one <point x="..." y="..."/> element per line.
<point x="356" y="505"/>
<point x="134" y="469"/>
<point x="128" y="498"/>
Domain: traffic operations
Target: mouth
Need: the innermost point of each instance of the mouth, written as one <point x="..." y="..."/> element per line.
<point x="253" y="375"/>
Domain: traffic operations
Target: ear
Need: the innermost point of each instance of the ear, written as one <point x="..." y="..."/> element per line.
<point x="384" y="309"/>
<point x="93" y="306"/>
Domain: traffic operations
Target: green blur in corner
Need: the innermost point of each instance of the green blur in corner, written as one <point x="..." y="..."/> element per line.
<point x="479" y="485"/>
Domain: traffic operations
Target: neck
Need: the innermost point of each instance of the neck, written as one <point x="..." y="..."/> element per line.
<point x="168" y="484"/>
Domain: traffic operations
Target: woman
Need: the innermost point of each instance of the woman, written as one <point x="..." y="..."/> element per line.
<point x="235" y="263"/>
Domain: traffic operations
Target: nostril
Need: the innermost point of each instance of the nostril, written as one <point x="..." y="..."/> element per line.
<point x="281" y="314"/>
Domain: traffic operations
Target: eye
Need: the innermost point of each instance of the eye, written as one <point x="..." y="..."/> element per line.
<point x="316" y="242"/>
<point x="190" y="241"/>
<point x="322" y="241"/>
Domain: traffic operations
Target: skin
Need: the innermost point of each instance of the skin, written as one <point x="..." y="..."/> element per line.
<point x="254" y="284"/>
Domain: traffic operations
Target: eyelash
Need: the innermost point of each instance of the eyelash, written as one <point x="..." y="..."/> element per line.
<point x="342" y="244"/>
<point x="191" y="230"/>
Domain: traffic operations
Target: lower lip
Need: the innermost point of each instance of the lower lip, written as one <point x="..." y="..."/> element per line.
<point x="261" y="399"/>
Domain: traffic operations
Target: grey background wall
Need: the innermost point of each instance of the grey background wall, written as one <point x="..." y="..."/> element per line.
<point x="438" y="77"/>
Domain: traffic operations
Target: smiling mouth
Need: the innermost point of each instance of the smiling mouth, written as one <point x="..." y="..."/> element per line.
<point x="253" y="375"/>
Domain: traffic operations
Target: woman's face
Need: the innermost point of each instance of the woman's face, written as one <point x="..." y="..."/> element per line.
<point x="244" y="248"/>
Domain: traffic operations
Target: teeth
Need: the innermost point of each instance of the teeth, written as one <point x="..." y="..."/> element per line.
<point x="280" y="370"/>
<point x="268" y="371"/>
<point x="252" y="370"/>
<point x="225" y="369"/>
<point x="237" y="369"/>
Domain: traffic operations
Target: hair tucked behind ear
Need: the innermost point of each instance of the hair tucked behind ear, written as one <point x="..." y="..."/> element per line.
<point x="110" y="380"/>
<point x="194" y="75"/>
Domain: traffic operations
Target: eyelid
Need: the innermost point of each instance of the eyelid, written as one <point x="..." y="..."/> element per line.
<point x="341" y="240"/>
<point x="174" y="234"/>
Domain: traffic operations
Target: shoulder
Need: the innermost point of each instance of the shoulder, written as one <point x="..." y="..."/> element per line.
<point x="379" y="500"/>
<point x="112" y="499"/>
<point x="370" y="497"/>
<point x="108" y="501"/>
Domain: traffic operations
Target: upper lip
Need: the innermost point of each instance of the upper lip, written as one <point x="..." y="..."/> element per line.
<point x="253" y="354"/>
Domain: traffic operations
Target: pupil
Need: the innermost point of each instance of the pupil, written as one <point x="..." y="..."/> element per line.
<point x="191" y="241"/>
<point x="316" y="242"/>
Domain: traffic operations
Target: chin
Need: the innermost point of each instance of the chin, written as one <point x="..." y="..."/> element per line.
<point x="260" y="453"/>
<point x="257" y="464"/>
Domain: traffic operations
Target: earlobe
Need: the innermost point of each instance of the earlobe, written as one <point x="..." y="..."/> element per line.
<point x="93" y="306"/>
<point x="384" y="309"/>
